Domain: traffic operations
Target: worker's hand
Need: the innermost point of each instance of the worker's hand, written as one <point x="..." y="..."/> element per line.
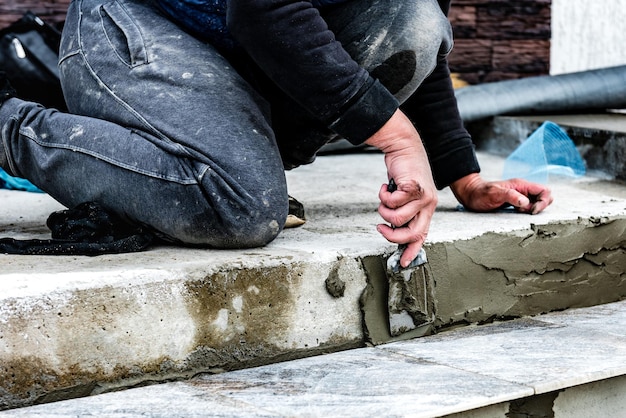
<point x="410" y="208"/>
<point x="479" y="195"/>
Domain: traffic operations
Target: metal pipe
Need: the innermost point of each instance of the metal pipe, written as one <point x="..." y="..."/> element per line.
<point x="581" y="91"/>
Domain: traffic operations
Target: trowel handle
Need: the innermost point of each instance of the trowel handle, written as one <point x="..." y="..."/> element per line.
<point x="394" y="262"/>
<point x="392" y="187"/>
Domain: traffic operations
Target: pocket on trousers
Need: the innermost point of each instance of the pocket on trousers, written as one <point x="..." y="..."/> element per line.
<point x="123" y="35"/>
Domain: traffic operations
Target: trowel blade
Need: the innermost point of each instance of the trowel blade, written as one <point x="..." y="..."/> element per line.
<point x="393" y="262"/>
<point x="409" y="299"/>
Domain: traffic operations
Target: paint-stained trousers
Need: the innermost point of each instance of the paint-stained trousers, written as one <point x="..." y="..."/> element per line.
<point x="162" y="130"/>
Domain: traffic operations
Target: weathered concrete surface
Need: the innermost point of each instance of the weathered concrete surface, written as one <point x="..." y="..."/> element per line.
<point x="562" y="365"/>
<point x="71" y="326"/>
<point x="600" y="138"/>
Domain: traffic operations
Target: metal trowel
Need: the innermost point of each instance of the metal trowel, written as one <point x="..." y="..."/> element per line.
<point x="410" y="297"/>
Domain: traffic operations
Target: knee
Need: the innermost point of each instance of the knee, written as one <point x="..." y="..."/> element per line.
<point x="256" y="219"/>
<point x="257" y="227"/>
<point x="252" y="223"/>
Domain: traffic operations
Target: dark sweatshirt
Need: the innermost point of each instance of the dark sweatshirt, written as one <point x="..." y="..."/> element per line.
<point x="291" y="43"/>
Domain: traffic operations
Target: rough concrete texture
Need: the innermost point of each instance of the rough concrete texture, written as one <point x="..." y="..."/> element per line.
<point x="565" y="365"/>
<point x="72" y="326"/>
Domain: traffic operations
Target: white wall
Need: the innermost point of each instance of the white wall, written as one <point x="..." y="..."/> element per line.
<point x="587" y="34"/>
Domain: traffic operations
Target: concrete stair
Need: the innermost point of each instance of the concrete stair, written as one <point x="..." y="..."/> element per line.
<point x="564" y="365"/>
<point x="77" y="326"/>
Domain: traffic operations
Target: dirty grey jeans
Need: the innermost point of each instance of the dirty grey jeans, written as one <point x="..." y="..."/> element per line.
<point x="162" y="130"/>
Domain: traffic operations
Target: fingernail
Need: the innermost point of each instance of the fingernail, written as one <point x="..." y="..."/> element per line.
<point x="534" y="210"/>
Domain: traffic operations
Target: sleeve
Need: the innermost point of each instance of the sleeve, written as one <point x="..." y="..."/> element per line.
<point x="434" y="112"/>
<point x="292" y="44"/>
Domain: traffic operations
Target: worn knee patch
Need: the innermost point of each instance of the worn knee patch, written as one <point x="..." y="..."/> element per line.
<point x="396" y="71"/>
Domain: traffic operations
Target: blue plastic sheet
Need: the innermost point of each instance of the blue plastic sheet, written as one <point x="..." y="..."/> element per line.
<point x="547" y="152"/>
<point x="15" y="183"/>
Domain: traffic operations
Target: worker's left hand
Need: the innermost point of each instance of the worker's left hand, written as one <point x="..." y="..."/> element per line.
<point x="479" y="195"/>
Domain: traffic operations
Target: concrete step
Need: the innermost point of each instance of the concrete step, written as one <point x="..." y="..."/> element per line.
<point x="563" y="365"/>
<point x="76" y="326"/>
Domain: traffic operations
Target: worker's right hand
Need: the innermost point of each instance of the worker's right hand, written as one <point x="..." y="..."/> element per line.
<point x="410" y="208"/>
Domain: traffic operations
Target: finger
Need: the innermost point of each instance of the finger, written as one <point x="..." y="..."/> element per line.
<point x="528" y="188"/>
<point x="410" y="253"/>
<point x="422" y="224"/>
<point x="539" y="195"/>
<point x="404" y="193"/>
<point x="519" y="200"/>
<point x="389" y="199"/>
<point x="397" y="236"/>
<point x="542" y="201"/>
<point x="414" y="231"/>
<point x="402" y="215"/>
<point x="402" y="235"/>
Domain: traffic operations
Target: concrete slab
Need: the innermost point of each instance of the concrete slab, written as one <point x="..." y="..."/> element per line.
<point x="474" y="371"/>
<point x="72" y="326"/>
<point x="544" y="356"/>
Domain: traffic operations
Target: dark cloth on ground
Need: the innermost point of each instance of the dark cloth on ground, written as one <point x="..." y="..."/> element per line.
<point x="87" y="229"/>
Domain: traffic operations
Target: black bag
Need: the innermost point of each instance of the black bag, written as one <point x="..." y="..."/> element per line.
<point x="29" y="55"/>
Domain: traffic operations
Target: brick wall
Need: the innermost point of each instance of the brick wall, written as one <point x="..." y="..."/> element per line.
<point x="498" y="40"/>
<point x="495" y="39"/>
<point x="52" y="11"/>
